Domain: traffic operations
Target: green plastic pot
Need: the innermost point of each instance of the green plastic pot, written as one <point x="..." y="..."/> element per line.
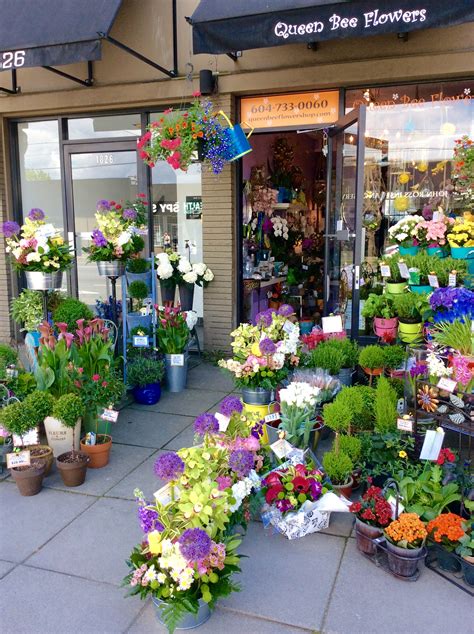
<point x="396" y="288"/>
<point x="419" y="289"/>
<point x="410" y="333"/>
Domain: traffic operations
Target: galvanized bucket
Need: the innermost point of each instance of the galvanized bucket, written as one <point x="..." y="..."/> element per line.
<point x="39" y="281"/>
<point x="115" y="268"/>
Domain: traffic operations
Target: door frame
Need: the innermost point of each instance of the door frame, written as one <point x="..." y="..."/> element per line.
<point x="357" y="116"/>
<point x="86" y="147"/>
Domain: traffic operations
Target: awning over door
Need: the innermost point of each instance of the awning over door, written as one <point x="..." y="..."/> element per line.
<point x="225" y="27"/>
<point x="53" y="32"/>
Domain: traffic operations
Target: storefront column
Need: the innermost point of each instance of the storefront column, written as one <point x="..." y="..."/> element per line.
<point x="219" y="249"/>
<point x="5" y="271"/>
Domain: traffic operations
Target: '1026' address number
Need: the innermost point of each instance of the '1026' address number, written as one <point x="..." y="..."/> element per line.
<point x="12" y="59"/>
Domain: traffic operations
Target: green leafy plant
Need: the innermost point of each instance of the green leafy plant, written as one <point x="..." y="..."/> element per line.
<point x="52" y="372"/>
<point x="16" y="419"/>
<point x="143" y="371"/>
<point x="349" y="349"/>
<point x="388" y="455"/>
<point x="338" y="467"/>
<point x="39" y="405"/>
<point x="372" y="357"/>
<point x="456" y="334"/>
<point x="392" y="263"/>
<point x="338" y="417"/>
<point x="352" y="446"/>
<point x="426" y="495"/>
<point x="22" y="385"/>
<point x="465" y="547"/>
<point x="8" y="357"/>
<point x="385" y="407"/>
<point x="422" y="262"/>
<point x="138" y="290"/>
<point x="68" y="409"/>
<point x="379" y="306"/>
<point x="411" y="307"/>
<point x="27" y="308"/>
<point x="442" y="267"/>
<point x="138" y="265"/>
<point x="326" y="357"/>
<point x="394" y="356"/>
<point x="69" y="311"/>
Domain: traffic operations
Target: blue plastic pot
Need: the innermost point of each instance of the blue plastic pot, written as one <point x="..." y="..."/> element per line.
<point x="137" y="320"/>
<point x="306" y="326"/>
<point x="35" y="335"/>
<point x="438" y="252"/>
<point x="408" y="250"/>
<point x="421" y="288"/>
<point x="147" y="395"/>
<point x="462" y="253"/>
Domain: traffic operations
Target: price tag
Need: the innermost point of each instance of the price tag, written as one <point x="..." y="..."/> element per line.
<point x="305" y="267"/>
<point x="452" y="279"/>
<point x="384" y="270"/>
<point x="140" y="341"/>
<point x="223" y="421"/>
<point x="281" y="448"/>
<point x="110" y="415"/>
<point x="332" y="324"/>
<point x="404" y="272"/>
<point x="447" y="384"/>
<point x="30" y="438"/>
<point x="393" y="503"/>
<point x="269" y="418"/>
<point x="18" y="459"/>
<point x="405" y="423"/>
<point x="437" y="216"/>
<point x="177" y="360"/>
<point x="433" y="280"/>
<point x="288" y="327"/>
<point x="163" y="495"/>
<point x="432" y="444"/>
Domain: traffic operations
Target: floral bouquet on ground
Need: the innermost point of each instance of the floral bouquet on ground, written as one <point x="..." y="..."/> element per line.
<point x="405" y="232"/>
<point x="176" y="269"/>
<point x="264" y="352"/>
<point x="118" y="232"/>
<point x="37" y="245"/>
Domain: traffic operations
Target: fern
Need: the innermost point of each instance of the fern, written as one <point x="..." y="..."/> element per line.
<point x="174" y="610"/>
<point x="455" y="335"/>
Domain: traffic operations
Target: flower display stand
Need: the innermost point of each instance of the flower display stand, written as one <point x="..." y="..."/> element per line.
<point x="457" y="578"/>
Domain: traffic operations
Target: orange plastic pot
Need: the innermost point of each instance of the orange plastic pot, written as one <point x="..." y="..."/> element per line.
<point x="99" y="453"/>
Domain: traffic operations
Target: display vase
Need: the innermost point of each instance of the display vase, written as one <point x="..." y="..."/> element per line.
<point x="114" y="268"/>
<point x="403" y="561"/>
<point x="413" y="250"/>
<point x="396" y="288"/>
<point x="189" y="621"/>
<point x="447" y="560"/>
<point x="176" y="366"/>
<point x="60" y="437"/>
<point x="467" y="564"/>
<point x="365" y="533"/>
<point x="99" y="454"/>
<point x="148" y="394"/>
<point x="186" y="296"/>
<point x="168" y="292"/>
<point x="345" y="376"/>
<point x="257" y="396"/>
<point x="39" y="281"/>
<point x="386" y="328"/>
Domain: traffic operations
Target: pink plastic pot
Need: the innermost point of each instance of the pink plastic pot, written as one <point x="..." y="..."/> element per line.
<point x="386" y="327"/>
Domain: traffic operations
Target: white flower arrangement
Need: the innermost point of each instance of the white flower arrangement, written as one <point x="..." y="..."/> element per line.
<point x="178" y="269"/>
<point x="191" y="319"/>
<point x="405" y="232"/>
<point x="280" y="227"/>
<point x="436" y="367"/>
<point x="299" y="394"/>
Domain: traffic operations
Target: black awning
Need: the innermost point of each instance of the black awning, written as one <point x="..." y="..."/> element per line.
<point x="53" y="32"/>
<point x="224" y="27"/>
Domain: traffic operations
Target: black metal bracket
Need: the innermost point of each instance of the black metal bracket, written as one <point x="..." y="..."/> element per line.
<point x="14" y="90"/>
<point x="234" y="55"/>
<point x="312" y="46"/>
<point x="131" y="51"/>
<point x="403" y="37"/>
<point x="83" y="82"/>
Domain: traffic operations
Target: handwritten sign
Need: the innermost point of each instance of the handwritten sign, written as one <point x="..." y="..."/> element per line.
<point x="384" y="270"/>
<point x="294" y="110"/>
<point x="447" y="384"/>
<point x="177" y="360"/>
<point x="405" y="423"/>
<point x="433" y="280"/>
<point x="18" y="459"/>
<point x="404" y="272"/>
<point x="281" y="448"/>
<point x="140" y="341"/>
<point x="110" y="415"/>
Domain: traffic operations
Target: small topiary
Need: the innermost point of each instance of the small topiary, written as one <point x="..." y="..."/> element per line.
<point x="39" y="404"/>
<point x="352" y="446"/>
<point x="138" y="290"/>
<point x="338" y="467"/>
<point x="371" y="357"/>
<point x="394" y="356"/>
<point x="337" y="416"/>
<point x="16" y="419"/>
<point x="326" y="357"/>
<point x="385" y="407"/>
<point x="69" y="311"/>
<point x="68" y="409"/>
<point x="138" y="265"/>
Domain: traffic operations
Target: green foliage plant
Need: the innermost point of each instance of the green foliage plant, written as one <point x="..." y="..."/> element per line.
<point x="138" y="290"/>
<point x="392" y="263"/>
<point x="68" y="409"/>
<point x="338" y="467"/>
<point x="326" y="357"/>
<point x="138" y="265"/>
<point x="456" y="334"/>
<point x="411" y="307"/>
<point x="426" y="495"/>
<point x="69" y="311"/>
<point x="22" y="385"/>
<point x="8" y="356"/>
<point x="16" y="419"/>
<point x="388" y="455"/>
<point x="349" y="349"/>
<point x="143" y="371"/>
<point x="52" y="373"/>
<point x="442" y="267"/>
<point x="338" y="417"/>
<point x="39" y="405"/>
<point x="385" y="407"/>
<point x="27" y="308"/>
<point x="371" y="357"/>
<point x="381" y="306"/>
<point x="394" y="356"/>
<point x="352" y="446"/>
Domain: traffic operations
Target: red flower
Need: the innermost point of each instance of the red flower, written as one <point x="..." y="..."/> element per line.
<point x="368" y="515"/>
<point x="301" y="484"/>
<point x="95" y="377"/>
<point x="141" y="195"/>
<point x="272" y="478"/>
<point x="355" y="507"/>
<point x="104" y="383"/>
<point x="197" y="93"/>
<point x="300" y="470"/>
<point x="273" y="492"/>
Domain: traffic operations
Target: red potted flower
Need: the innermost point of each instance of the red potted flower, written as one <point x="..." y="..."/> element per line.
<point x="373" y="513"/>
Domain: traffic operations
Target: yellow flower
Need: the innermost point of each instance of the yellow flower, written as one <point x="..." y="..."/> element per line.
<point x="402" y="454"/>
<point x="58" y="240"/>
<point x="256" y="350"/>
<point x="154" y="542"/>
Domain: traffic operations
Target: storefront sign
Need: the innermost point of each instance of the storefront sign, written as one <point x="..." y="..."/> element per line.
<point x="295" y="110"/>
<point x="193" y="207"/>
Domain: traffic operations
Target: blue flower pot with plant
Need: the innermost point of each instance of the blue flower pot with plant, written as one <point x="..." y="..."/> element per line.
<point x="413" y="250"/>
<point x="144" y="376"/>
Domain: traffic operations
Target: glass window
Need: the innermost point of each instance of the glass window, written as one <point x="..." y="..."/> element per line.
<point x="125" y="125"/>
<point x="40" y="174"/>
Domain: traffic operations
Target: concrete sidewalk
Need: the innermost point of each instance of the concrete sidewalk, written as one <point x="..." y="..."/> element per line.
<point x="62" y="553"/>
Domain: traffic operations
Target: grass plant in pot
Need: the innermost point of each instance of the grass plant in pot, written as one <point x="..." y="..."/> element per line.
<point x="419" y="267"/>
<point x="381" y="309"/>
<point x="144" y="376"/>
<point x="410" y="309"/>
<point x="173" y="335"/>
<point x="324" y="356"/>
<point x="138" y="291"/>
<point x="16" y="419"/>
<point x="405" y="539"/>
<point x="373" y="513"/>
<point x="395" y="283"/>
<point x="371" y="360"/>
<point x="72" y="465"/>
<point x="139" y="269"/>
<point x="350" y="351"/>
<point x="338" y="467"/>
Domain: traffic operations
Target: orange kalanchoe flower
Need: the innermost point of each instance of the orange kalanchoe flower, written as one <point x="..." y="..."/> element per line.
<point x="446" y="529"/>
<point x="408" y="531"/>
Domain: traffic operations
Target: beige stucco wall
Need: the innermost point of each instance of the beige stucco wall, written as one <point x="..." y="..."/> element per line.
<point x="122" y="81"/>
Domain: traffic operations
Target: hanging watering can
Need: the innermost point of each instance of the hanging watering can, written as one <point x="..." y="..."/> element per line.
<point x="239" y="142"/>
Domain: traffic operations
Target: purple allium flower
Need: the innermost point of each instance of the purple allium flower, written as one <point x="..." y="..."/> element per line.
<point x="223" y="482"/>
<point x="195" y="544"/>
<point x="129" y="214"/>
<point x="265" y="318"/>
<point x="206" y="424"/>
<point x="103" y="205"/>
<point x="241" y="462"/>
<point x="36" y="214"/>
<point x="230" y="405"/>
<point x="149" y="520"/>
<point x="98" y="238"/>
<point x="169" y="466"/>
<point x="257" y="430"/>
<point x="419" y="369"/>
<point x="286" y="310"/>
<point x="267" y="346"/>
<point x="10" y="228"/>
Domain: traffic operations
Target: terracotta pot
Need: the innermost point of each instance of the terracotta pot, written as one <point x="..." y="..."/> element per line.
<point x="42" y="452"/>
<point x="364" y="534"/>
<point x="73" y="468"/>
<point x="29" y="480"/>
<point x="386" y="327"/>
<point x="98" y="454"/>
<point x="403" y="561"/>
<point x="373" y="371"/>
<point x="344" y="489"/>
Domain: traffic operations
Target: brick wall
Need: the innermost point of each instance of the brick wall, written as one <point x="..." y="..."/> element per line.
<point x="5" y="273"/>
<point x="219" y="249"/>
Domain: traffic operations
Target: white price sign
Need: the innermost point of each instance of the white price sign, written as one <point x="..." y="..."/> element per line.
<point x="270" y="418"/>
<point x="452" y="279"/>
<point x="110" y="415"/>
<point x="281" y="448"/>
<point x="140" y="341"/>
<point x="177" y="360"/>
<point x="384" y="270"/>
<point x="433" y="280"/>
<point x="332" y="324"/>
<point x="223" y="421"/>
<point x="404" y="272"/>
<point x="18" y="459"/>
<point x="447" y="384"/>
<point x="405" y="424"/>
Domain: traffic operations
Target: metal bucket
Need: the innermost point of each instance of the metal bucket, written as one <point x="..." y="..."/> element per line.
<point x="189" y="620"/>
<point x="186" y="296"/>
<point x="115" y="268"/>
<point x="39" y="281"/>
<point x="257" y="396"/>
<point x="176" y="375"/>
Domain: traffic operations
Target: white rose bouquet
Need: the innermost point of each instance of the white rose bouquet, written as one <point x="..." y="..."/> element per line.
<point x="175" y="269"/>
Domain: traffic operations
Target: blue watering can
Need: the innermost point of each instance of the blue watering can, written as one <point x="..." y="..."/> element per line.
<point x="239" y="142"/>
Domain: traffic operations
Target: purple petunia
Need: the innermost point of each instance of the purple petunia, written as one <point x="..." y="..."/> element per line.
<point x="195" y="544"/>
<point x="10" y="228"/>
<point x="231" y="405"/>
<point x="267" y="346"/>
<point x="241" y="462"/>
<point x="98" y="238"/>
<point x="103" y="205"/>
<point x="206" y="424"/>
<point x="315" y="489"/>
<point x="129" y="214"/>
<point x="286" y="310"/>
<point x="169" y="466"/>
<point x="36" y="214"/>
<point x="149" y="520"/>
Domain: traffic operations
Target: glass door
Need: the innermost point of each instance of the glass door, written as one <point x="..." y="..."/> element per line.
<point x="344" y="219"/>
<point x="95" y="171"/>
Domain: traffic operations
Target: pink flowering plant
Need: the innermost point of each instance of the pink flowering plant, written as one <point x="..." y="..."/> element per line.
<point x="432" y="233"/>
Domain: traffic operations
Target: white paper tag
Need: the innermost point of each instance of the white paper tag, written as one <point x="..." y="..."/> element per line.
<point x="223" y="421"/>
<point x="288" y="327"/>
<point x="437" y="216"/>
<point x="405" y="424"/>
<point x="30" y="438"/>
<point x="163" y="495"/>
<point x="433" y="281"/>
<point x="452" y="279"/>
<point x="19" y="459"/>
<point x="110" y="415"/>
<point x="404" y="272"/>
<point x="393" y="504"/>
<point x="140" y="341"/>
<point x="432" y="445"/>
<point x="385" y="270"/>
<point x="281" y="448"/>
<point x="332" y="324"/>
<point x="269" y="418"/>
<point x="447" y="384"/>
<point x="305" y="267"/>
<point x="177" y="360"/>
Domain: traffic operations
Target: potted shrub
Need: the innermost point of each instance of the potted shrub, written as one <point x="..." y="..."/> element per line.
<point x="395" y="284"/>
<point x="350" y="351"/>
<point x="173" y="337"/>
<point x="444" y="532"/>
<point x="338" y="467"/>
<point x="404" y="234"/>
<point x="381" y="309"/>
<point x="338" y="417"/>
<point x="465" y="549"/>
<point x="16" y="419"/>
<point x="69" y="311"/>
<point x="138" y="291"/>
<point x="27" y="310"/>
<point x="371" y="360"/>
<point x="139" y="269"/>
<point x="394" y="357"/>
<point x="144" y="376"/>
<point x="410" y="309"/>
<point x="373" y="513"/>
<point x="385" y="407"/>
<point x="443" y="267"/>
<point x="325" y="357"/>
<point x="6" y="445"/>
<point x="72" y="465"/>
<point x="38" y="406"/>
<point x="419" y="266"/>
<point x="352" y="446"/>
<point x="405" y="539"/>
<point x="8" y="360"/>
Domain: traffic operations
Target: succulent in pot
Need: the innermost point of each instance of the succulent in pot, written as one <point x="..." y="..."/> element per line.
<point x="72" y="465"/>
<point x="144" y="376"/>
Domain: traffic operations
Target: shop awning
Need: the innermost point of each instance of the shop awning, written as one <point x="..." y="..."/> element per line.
<point x="53" y="32"/>
<point x="226" y="27"/>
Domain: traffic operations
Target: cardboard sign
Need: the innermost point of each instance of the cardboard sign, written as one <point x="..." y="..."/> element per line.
<point x="222" y="420"/>
<point x="281" y="448"/>
<point x="432" y="445"/>
<point x="30" y="438"/>
<point x="433" y="280"/>
<point x="452" y="279"/>
<point x="447" y="384"/>
<point x="269" y="418"/>
<point x="140" y="341"/>
<point x="177" y="360"/>
<point x="18" y="459"/>
<point x="332" y="324"/>
<point x="110" y="415"/>
<point x="404" y="272"/>
<point x="405" y="424"/>
<point x="163" y="495"/>
<point x="384" y="270"/>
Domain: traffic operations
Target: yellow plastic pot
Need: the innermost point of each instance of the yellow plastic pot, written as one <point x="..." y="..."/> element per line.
<point x="262" y="411"/>
<point x="410" y="333"/>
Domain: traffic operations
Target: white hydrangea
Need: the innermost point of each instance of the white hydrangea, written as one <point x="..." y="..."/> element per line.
<point x="208" y="275"/>
<point x="191" y="319"/>
<point x="184" y="265"/>
<point x="163" y="258"/>
<point x="164" y="271"/>
<point x="190" y="278"/>
<point x="199" y="268"/>
<point x="124" y="238"/>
